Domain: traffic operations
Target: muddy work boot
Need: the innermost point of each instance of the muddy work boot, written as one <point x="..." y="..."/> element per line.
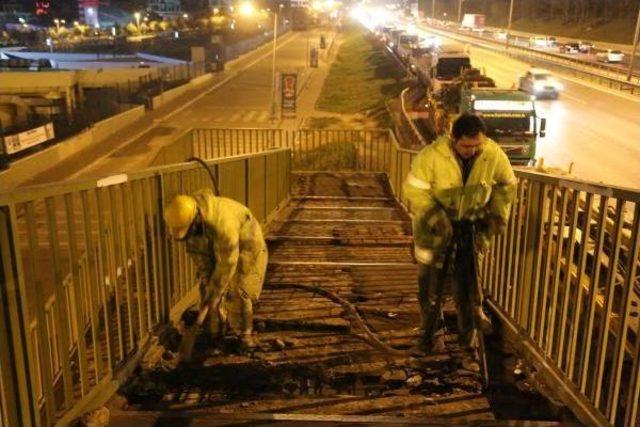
<point x="248" y="342"/>
<point x="434" y="346"/>
<point x="470" y="361"/>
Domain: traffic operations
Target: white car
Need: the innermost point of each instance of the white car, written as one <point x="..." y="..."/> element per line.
<point x="570" y="48"/>
<point x="540" y="83"/>
<point x="610" y="56"/>
<point x="500" y="35"/>
<point x="539" y="41"/>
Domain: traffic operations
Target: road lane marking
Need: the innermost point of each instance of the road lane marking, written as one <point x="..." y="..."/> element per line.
<point x="249" y="116"/>
<point x="263" y="117"/>
<point x="235" y="117"/>
<point x="573" y="98"/>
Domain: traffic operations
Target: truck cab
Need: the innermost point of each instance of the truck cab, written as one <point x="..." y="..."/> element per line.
<point x="405" y="44"/>
<point x="510" y="117"/>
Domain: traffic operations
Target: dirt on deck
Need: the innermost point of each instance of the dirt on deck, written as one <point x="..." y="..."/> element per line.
<point x="346" y="234"/>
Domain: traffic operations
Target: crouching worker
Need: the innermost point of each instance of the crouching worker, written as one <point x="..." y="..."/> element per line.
<point x="226" y="243"/>
<point x="460" y="190"/>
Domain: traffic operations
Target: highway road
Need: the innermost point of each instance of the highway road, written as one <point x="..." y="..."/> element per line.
<point x="245" y="101"/>
<point x="595" y="128"/>
<point x="239" y="97"/>
<point x="523" y="41"/>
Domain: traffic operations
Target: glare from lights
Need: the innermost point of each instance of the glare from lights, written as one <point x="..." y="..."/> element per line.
<point x="247" y="9"/>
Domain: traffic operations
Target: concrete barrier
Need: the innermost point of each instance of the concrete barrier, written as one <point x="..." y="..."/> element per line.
<point x="22" y="170"/>
<point x="170" y="95"/>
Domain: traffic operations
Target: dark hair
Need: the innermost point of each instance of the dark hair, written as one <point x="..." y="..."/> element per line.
<point x="468" y="125"/>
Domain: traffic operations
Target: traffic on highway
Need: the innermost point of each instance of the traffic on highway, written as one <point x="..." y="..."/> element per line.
<point x="473" y="24"/>
<point x="574" y="125"/>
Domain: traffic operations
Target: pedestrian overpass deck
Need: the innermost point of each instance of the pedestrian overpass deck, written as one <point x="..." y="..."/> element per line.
<point x="90" y="280"/>
<point x="311" y="363"/>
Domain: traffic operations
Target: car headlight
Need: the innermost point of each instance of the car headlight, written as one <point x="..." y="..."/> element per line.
<point x="538" y="86"/>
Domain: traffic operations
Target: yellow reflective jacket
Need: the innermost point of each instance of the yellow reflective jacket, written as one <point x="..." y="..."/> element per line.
<point x="434" y="189"/>
<point x="232" y="245"/>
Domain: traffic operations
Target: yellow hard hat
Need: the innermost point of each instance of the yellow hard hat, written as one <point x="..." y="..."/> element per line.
<point x="179" y="215"/>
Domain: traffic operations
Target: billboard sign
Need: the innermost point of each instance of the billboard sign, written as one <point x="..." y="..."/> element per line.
<point x="288" y="100"/>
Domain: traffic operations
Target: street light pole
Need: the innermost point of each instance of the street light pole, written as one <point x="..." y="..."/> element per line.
<point x="459" y="11"/>
<point x="137" y="16"/>
<point x="509" y="24"/>
<point x="636" y="38"/>
<point x="273" y="66"/>
<point x="433" y="9"/>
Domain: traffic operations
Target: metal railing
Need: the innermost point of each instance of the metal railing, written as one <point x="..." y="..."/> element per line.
<point x="310" y="149"/>
<point x="88" y="272"/>
<point x="564" y="279"/>
<point x="408" y="127"/>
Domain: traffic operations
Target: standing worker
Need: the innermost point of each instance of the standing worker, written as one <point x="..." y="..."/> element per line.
<point x="226" y="243"/>
<point x="460" y="184"/>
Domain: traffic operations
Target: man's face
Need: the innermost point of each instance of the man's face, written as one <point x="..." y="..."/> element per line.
<point x="468" y="147"/>
<point x="195" y="230"/>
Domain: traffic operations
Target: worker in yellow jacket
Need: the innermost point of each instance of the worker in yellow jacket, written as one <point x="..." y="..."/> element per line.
<point x="461" y="179"/>
<point x="228" y="248"/>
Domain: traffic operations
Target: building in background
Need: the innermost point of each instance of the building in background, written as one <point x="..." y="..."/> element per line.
<point x="88" y="12"/>
<point x="165" y="8"/>
<point x="9" y="6"/>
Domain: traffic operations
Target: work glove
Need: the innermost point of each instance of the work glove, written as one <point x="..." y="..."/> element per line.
<point x="492" y="225"/>
<point x="443" y="227"/>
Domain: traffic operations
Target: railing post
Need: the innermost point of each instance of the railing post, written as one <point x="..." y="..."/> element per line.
<point x="532" y="225"/>
<point x="163" y="256"/>
<point x="17" y="400"/>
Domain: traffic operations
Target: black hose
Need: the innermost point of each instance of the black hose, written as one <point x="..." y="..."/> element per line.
<point x="202" y="163"/>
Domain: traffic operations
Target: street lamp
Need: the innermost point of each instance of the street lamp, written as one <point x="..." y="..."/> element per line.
<point x="273" y="63"/>
<point x="636" y="38"/>
<point x="247" y="9"/>
<point x="137" y="16"/>
<point x="509" y="24"/>
<point x="57" y="22"/>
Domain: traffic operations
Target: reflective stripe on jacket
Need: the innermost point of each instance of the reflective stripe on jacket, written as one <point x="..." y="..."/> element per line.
<point x="434" y="189"/>
<point x="232" y="245"/>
